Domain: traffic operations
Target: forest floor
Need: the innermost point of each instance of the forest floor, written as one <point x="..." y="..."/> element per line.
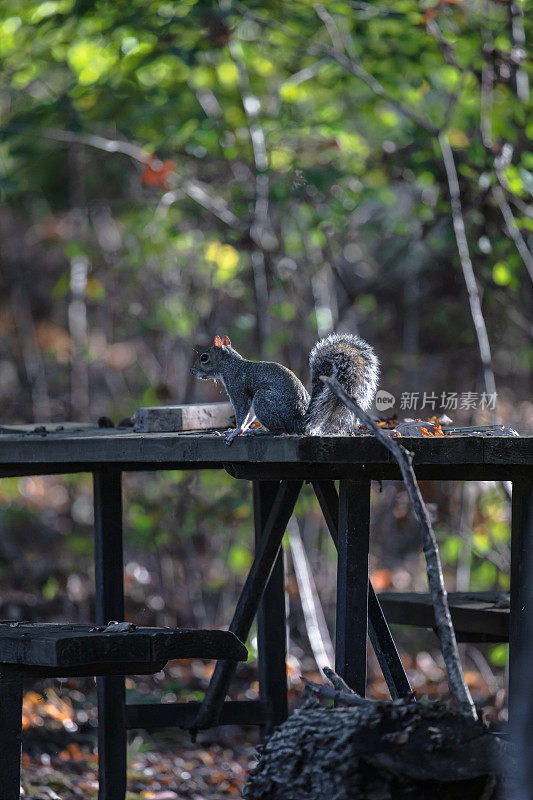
<point x="60" y="762"/>
<point x="168" y="768"/>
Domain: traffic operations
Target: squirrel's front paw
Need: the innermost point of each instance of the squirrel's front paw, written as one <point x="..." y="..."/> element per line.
<point x="231" y="434"/>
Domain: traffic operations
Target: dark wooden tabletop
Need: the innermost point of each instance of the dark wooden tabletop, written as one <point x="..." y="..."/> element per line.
<point x="261" y="456"/>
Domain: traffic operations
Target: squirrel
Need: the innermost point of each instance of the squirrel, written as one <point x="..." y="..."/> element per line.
<point x="278" y="399"/>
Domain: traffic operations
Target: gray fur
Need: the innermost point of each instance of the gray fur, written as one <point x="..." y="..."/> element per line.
<point x="353" y="362"/>
<point x="278" y="398"/>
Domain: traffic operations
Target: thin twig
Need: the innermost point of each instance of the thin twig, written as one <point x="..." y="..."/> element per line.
<point x="445" y="47"/>
<point x="337" y="682"/>
<point x="340" y="697"/>
<point x="466" y="265"/>
<point x="512" y="228"/>
<point x="261" y="231"/>
<point x="357" y="69"/>
<point x="443" y="620"/>
<point x="518" y="52"/>
<point x="31" y="353"/>
<point x="331" y="26"/>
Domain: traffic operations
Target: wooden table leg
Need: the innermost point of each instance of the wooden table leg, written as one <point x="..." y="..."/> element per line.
<point x="109" y="578"/>
<point x="10" y="732"/>
<point x="271" y="619"/>
<point x="521" y="564"/>
<point x="247" y="605"/>
<point x="378" y="629"/>
<point x="352" y="583"/>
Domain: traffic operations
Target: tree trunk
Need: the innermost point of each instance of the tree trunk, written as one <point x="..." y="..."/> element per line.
<point x="377" y="750"/>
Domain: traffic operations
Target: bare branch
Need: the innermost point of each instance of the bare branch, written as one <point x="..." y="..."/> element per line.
<point x="370" y="10"/>
<point x="487" y="99"/>
<point x="134" y="151"/>
<point x="487" y="96"/>
<point x="357" y="69"/>
<point x="446" y="49"/>
<point x="196" y="190"/>
<point x="261" y="231"/>
<point x="350" y="64"/>
<point x="338" y="695"/>
<point x="518" y="52"/>
<point x="309" y="72"/>
<point x="331" y="26"/>
<point x="443" y="620"/>
<point x="315" y="622"/>
<point x="513" y="230"/>
<point x="31" y="353"/>
<point x="199" y="192"/>
<point x="337" y="682"/>
<point x="466" y="265"/>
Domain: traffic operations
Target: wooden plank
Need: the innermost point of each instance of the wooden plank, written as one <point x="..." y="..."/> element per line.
<point x="10" y="732"/>
<point x="271" y="619"/>
<point x="51" y="645"/>
<point x="473" y="613"/>
<point x="352" y="583"/>
<point x="521" y="562"/>
<point x="378" y="630"/>
<point x="185" y="643"/>
<point x="46" y="644"/>
<point x="108" y="553"/>
<point x="505" y="450"/>
<point x="115" y="448"/>
<point x="381" y="471"/>
<point x="182" y="715"/>
<point x="109" y="585"/>
<point x="112" y="738"/>
<point x="39" y="429"/>
<point x="187" y="417"/>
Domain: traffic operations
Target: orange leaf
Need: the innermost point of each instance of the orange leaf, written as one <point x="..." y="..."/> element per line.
<point x="156" y="173"/>
<point x="381" y="579"/>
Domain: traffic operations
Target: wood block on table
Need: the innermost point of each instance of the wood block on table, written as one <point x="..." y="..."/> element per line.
<point x="189" y="417"/>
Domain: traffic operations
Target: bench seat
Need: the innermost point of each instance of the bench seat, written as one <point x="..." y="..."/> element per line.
<point x="53" y="650"/>
<point x="68" y="650"/>
<point x="476" y="616"/>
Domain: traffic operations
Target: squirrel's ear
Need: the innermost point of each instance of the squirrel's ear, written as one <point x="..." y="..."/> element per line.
<point x="217" y="342"/>
<point x="226" y="341"/>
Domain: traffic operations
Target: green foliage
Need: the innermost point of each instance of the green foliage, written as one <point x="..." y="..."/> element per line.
<point x="145" y="121"/>
<point x="499" y="655"/>
<point x="168" y="77"/>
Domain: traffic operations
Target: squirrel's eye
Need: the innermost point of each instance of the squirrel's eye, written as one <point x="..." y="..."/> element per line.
<point x="204" y="358"/>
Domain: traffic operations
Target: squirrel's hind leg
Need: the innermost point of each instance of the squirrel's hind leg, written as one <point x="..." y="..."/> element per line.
<point x="241" y="425"/>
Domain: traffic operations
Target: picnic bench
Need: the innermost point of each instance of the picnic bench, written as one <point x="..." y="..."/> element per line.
<point x="30" y="650"/>
<point x="276" y="466"/>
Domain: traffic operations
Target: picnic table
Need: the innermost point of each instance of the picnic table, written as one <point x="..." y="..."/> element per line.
<point x="277" y="466"/>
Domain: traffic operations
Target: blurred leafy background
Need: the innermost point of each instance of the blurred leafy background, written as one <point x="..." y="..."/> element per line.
<point x="271" y="171"/>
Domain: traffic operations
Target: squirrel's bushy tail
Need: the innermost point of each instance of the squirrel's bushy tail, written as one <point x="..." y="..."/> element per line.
<point x="353" y="362"/>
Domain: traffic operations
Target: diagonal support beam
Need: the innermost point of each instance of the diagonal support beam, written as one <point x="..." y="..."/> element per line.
<point x="258" y="577"/>
<point x="378" y="629"/>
